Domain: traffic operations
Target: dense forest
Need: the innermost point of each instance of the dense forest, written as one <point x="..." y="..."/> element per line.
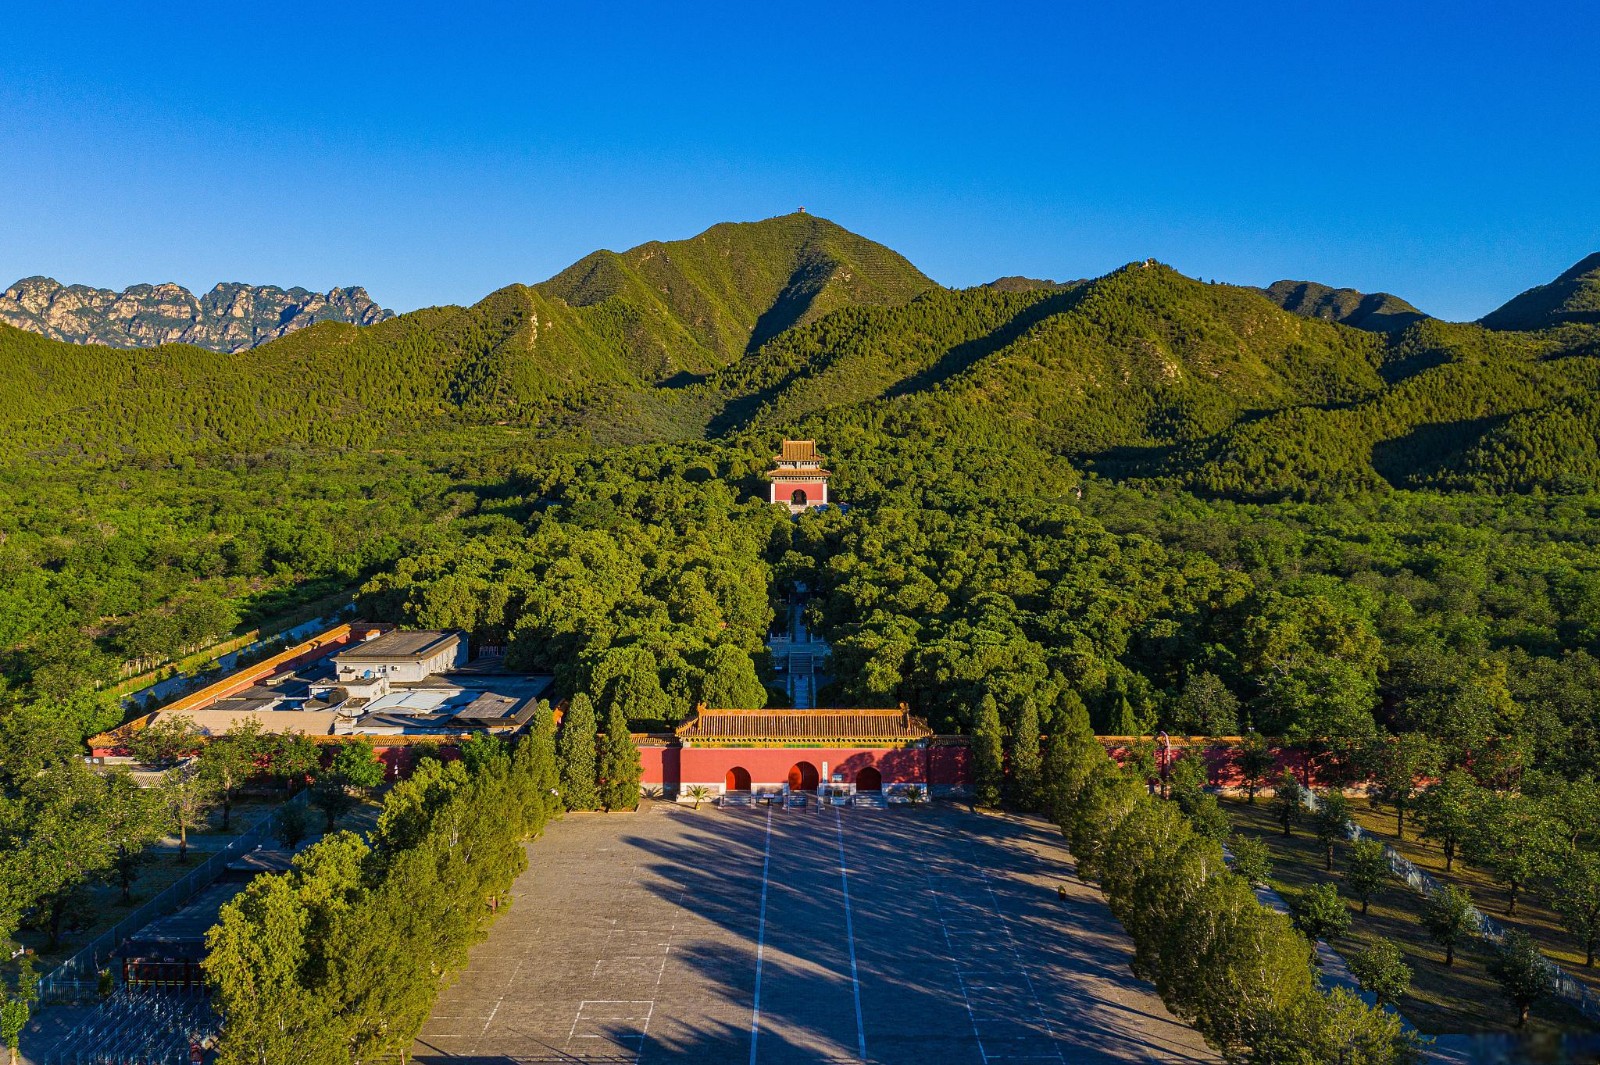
<point x="1143" y="501"/>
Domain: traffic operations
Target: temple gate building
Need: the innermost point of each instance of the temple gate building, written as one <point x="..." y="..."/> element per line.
<point x="868" y="757"/>
<point x="798" y="479"/>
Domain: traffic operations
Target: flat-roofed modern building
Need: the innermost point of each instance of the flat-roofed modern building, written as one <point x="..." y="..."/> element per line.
<point x="401" y="657"/>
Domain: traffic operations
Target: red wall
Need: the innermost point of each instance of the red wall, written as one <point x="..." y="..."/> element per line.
<point x="1221" y="759"/>
<point x="815" y="491"/>
<point x="674" y="767"/>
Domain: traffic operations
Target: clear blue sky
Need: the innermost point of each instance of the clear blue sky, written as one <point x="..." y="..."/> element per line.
<point x="1446" y="152"/>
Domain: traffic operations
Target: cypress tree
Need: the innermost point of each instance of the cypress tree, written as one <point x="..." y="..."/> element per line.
<point x="575" y="755"/>
<point x="536" y="776"/>
<point x="619" y="764"/>
<point x="988" y="756"/>
<point x="1026" y="765"/>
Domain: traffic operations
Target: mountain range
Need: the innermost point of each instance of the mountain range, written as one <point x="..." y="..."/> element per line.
<point x="230" y="317"/>
<point x="796" y="325"/>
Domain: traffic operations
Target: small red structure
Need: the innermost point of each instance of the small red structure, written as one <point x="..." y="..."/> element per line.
<point x="798" y="479"/>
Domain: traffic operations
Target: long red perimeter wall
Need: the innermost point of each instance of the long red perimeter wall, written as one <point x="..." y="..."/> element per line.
<point x="943" y="764"/>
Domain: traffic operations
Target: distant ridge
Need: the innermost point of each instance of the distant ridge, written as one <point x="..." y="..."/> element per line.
<point x="1376" y="312"/>
<point x="795" y="326"/>
<point x="1572" y="297"/>
<point x="230" y="317"/>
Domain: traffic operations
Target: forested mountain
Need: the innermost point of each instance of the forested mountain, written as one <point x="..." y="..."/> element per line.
<point x="1572" y="297"/>
<point x="694" y="305"/>
<point x="230" y="317"/>
<point x="794" y="324"/>
<point x="1377" y="311"/>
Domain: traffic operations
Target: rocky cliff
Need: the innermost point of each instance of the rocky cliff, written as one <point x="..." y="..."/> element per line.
<point x="230" y="317"/>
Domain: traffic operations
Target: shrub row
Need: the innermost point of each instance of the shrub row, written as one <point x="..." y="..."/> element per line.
<point x="340" y="959"/>
<point x="1221" y="961"/>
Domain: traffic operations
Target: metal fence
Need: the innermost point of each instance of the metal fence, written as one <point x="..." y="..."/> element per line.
<point x="1567" y="987"/>
<point x="77" y="978"/>
<point x="141" y="1026"/>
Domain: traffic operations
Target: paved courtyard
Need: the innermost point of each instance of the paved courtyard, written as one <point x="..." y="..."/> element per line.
<point x="902" y="937"/>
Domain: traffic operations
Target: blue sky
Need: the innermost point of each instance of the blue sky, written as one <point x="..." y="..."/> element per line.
<point x="1446" y="152"/>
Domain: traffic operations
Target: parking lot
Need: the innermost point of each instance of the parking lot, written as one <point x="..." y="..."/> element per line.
<point x="917" y="936"/>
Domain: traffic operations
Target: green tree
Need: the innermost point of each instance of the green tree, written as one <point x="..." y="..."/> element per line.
<point x="16" y="1007"/>
<point x="256" y="957"/>
<point x="165" y="740"/>
<point x="536" y="762"/>
<point x="1205" y="707"/>
<point x="292" y="758"/>
<point x="293" y="825"/>
<point x="1395" y="766"/>
<point x="629" y="678"/>
<point x="1255" y="761"/>
<point x="1522" y="973"/>
<point x="1448" y="916"/>
<point x="1516" y="842"/>
<point x="731" y="681"/>
<point x="1335" y="1028"/>
<point x="1380" y="968"/>
<point x="1330" y="821"/>
<point x="133" y="818"/>
<point x="620" y="770"/>
<point x="1026" y="761"/>
<point x="576" y="755"/>
<point x="356" y="764"/>
<point x="1368" y="870"/>
<point x="479" y="749"/>
<point x="333" y="797"/>
<point x="1287" y="806"/>
<point x="1447" y="812"/>
<point x="231" y="759"/>
<point x="1252" y="860"/>
<point x="1320" y="913"/>
<point x="189" y="797"/>
<point x="988" y="756"/>
<point x="1575" y="895"/>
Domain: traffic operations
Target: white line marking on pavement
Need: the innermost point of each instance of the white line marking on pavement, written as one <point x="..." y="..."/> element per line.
<point x="850" y="937"/>
<point x="949" y="949"/>
<point x="1022" y="967"/>
<point x="761" y="940"/>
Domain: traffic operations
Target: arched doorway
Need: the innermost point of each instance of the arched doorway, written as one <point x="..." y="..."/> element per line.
<point x="803" y="777"/>
<point x="799" y="497"/>
<point x="738" y="779"/>
<point x="869" y="779"/>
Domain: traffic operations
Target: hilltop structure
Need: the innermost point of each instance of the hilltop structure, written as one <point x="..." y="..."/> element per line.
<point x="798" y="480"/>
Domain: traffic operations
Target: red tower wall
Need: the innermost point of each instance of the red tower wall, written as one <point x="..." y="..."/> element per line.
<point x="815" y="490"/>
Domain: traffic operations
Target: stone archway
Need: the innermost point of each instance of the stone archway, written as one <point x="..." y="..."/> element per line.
<point x="799" y="497"/>
<point x="869" y="779"/>
<point x="803" y="777"/>
<point x="738" y="779"/>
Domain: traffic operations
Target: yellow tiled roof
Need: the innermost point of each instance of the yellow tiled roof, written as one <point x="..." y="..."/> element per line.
<point x="750" y="727"/>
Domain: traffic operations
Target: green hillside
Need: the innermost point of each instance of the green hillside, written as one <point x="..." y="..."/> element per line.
<point x="1376" y="311"/>
<point x="1574" y="297"/>
<point x="794" y="325"/>
<point x="698" y="304"/>
<point x="564" y="354"/>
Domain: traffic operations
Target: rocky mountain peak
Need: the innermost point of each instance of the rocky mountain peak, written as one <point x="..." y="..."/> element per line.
<point x="230" y="317"/>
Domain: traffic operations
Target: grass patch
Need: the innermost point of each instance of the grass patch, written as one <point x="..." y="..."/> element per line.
<point x="1462" y="998"/>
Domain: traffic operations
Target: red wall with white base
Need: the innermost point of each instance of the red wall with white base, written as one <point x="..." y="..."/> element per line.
<point x="682" y="767"/>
